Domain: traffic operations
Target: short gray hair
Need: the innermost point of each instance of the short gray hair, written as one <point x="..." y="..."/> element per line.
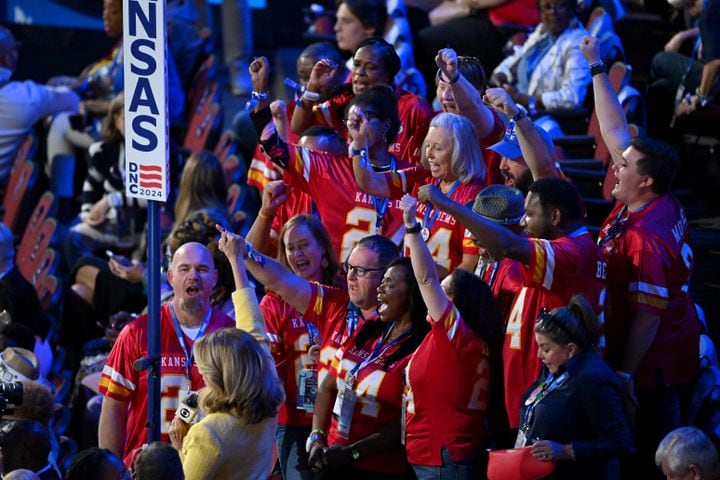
<point x="7" y="246"/>
<point x="687" y="446"/>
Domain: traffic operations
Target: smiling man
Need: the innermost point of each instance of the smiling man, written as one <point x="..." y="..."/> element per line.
<point x="182" y="321"/>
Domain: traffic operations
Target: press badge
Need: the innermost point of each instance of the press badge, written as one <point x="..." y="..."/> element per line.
<point x="344" y="407"/>
<point x="307" y="389"/>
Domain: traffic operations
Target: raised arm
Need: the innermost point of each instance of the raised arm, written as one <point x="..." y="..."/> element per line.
<point x="293" y="289"/>
<point x="260" y="76"/>
<point x="613" y="123"/>
<point x="493" y="237"/>
<point x="467" y="98"/>
<point x="274" y="194"/>
<point x="367" y="179"/>
<point x="538" y="157"/>
<point x="320" y="78"/>
<point x="422" y="261"/>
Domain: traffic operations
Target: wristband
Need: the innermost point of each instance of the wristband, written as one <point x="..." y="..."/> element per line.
<point x="251" y="254"/>
<point x="597" y="67"/>
<point x="414" y="230"/>
<point x="522" y="113"/>
<point x="310" y="96"/>
<point x="263" y="216"/>
<point x="702" y="100"/>
<point x="259" y="96"/>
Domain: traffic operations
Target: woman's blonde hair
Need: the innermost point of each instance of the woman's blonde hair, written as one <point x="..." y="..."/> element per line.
<point x="239" y="375"/>
<point x="467" y="160"/>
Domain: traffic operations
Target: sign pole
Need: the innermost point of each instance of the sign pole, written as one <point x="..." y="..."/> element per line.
<point x="146" y="160"/>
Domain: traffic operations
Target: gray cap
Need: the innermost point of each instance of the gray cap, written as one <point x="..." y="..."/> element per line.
<point x="500" y="204"/>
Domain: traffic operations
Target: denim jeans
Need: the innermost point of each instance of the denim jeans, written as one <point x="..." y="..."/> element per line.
<point x="470" y="469"/>
<point x="291" y="452"/>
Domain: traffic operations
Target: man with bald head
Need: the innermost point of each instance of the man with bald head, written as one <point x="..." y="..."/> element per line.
<point x="187" y="317"/>
<point x="22" y="104"/>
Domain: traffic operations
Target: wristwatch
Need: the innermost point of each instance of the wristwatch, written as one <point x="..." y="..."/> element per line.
<point x="354" y="454"/>
<point x="415" y="229"/>
<point x="315" y="436"/>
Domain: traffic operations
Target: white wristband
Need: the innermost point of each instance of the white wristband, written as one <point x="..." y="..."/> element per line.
<point x="310" y="96"/>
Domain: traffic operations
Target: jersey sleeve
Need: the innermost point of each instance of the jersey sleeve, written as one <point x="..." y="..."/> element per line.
<point x="649" y="283"/>
<point x="327" y="307"/>
<point x="448" y="331"/>
<point x="404" y="180"/>
<point x="119" y="378"/>
<point x="272" y="321"/>
<point x="553" y="264"/>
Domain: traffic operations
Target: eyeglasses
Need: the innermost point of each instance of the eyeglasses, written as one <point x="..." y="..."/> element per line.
<point x="359" y="271"/>
<point x="369" y="115"/>
<point x="547" y="321"/>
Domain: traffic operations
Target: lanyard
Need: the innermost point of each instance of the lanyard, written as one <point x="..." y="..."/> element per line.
<point x="181" y="337"/>
<point x="313" y="333"/>
<point x="381" y="204"/>
<point x="538" y="394"/>
<point x="378" y="350"/>
<point x="614" y="229"/>
<point x="352" y="319"/>
<point x="428" y="220"/>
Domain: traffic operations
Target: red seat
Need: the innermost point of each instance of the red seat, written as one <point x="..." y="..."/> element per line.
<point x="202" y="124"/>
<point x="226" y="146"/>
<point x="22" y="180"/>
<point x="29" y="259"/>
<point x="44" y="209"/>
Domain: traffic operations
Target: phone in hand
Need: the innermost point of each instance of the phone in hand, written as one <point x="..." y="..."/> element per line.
<point x="124" y="261"/>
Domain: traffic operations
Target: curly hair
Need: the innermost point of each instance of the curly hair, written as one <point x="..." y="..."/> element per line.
<point x="239" y="376"/>
<point x="38" y="403"/>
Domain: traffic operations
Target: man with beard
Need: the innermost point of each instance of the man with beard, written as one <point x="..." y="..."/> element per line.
<point x="189" y="316"/>
<point x="526" y="150"/>
<point x="558" y="260"/>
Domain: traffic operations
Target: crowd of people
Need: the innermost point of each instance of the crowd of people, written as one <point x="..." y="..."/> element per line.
<point x="415" y="287"/>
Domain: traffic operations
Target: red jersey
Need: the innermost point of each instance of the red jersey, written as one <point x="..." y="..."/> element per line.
<point x="504" y="279"/>
<point x="336" y="317"/>
<point x="558" y="269"/>
<point x="347" y="212"/>
<point x="449" y="240"/>
<point x="289" y="343"/>
<point x="414" y="114"/>
<point x="649" y="262"/>
<point x="448" y="380"/>
<point x="120" y="381"/>
<point x="379" y="400"/>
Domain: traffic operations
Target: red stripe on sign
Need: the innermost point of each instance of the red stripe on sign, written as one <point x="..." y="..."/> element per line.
<point x="150" y="185"/>
<point x="150" y="168"/>
<point x="151" y="176"/>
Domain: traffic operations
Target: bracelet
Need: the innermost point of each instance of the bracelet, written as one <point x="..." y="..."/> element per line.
<point x="522" y="113"/>
<point x="251" y="254"/>
<point x="414" y="230"/>
<point x="315" y="436"/>
<point x="597" y="67"/>
<point x="702" y="100"/>
<point x="310" y="96"/>
<point x="265" y="217"/>
<point x="259" y="96"/>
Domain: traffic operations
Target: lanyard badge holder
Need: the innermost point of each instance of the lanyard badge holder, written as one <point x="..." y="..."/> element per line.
<point x="308" y="376"/>
<point x="345" y="405"/>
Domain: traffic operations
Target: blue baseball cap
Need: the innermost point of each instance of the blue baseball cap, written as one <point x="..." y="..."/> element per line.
<point x="509" y="146"/>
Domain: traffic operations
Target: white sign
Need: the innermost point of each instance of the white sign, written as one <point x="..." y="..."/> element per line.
<point x="145" y="81"/>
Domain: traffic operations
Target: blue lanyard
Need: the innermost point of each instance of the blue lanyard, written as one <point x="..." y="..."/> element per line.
<point x="352" y="319"/>
<point x="381" y="204"/>
<point x="542" y="391"/>
<point x="181" y="337"/>
<point x="427" y="219"/>
<point x="378" y="350"/>
<point x="313" y="333"/>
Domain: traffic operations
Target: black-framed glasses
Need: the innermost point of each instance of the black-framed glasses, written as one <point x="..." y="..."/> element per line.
<point x="359" y="271"/>
<point x="547" y="321"/>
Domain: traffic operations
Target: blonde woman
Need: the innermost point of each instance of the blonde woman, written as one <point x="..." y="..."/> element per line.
<point x="242" y="394"/>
